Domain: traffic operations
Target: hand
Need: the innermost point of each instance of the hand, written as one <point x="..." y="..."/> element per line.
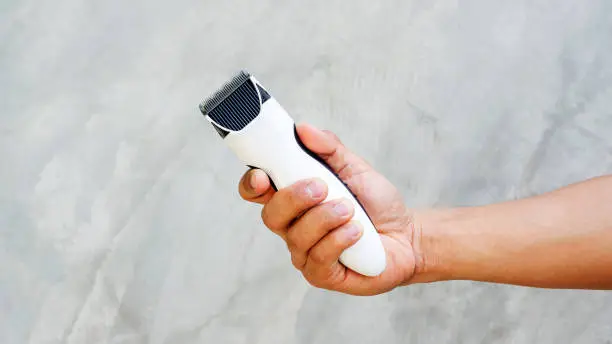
<point x="317" y="233"/>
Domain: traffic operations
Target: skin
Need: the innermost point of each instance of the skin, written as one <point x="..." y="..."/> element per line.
<point x="562" y="239"/>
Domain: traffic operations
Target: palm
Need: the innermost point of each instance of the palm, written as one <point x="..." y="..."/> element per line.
<point x="386" y="208"/>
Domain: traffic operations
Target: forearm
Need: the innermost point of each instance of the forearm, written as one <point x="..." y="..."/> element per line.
<point x="561" y="239"/>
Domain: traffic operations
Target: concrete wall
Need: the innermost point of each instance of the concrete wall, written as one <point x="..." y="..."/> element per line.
<point x="119" y="216"/>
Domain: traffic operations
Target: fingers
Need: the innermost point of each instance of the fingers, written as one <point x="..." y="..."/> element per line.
<point x="313" y="226"/>
<point x="329" y="147"/>
<point x="289" y="203"/>
<point x="255" y="187"/>
<point x="322" y="268"/>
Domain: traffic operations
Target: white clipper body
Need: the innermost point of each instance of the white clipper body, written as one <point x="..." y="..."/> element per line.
<point x="262" y="134"/>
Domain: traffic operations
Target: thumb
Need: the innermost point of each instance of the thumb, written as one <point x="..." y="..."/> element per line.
<point x="328" y="146"/>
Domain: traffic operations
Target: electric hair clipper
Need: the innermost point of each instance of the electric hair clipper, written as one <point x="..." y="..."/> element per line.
<point x="263" y="135"/>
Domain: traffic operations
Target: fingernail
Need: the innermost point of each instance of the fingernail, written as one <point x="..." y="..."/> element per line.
<point x="314" y="189"/>
<point x="342" y="208"/>
<point x="253" y="180"/>
<point x="353" y="231"/>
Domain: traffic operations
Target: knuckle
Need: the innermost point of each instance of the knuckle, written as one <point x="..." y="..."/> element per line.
<point x="314" y="281"/>
<point x="294" y="261"/>
<point x="293" y="240"/>
<point x="320" y="279"/>
<point x="318" y="256"/>
<point x="297" y="261"/>
<point x="292" y="243"/>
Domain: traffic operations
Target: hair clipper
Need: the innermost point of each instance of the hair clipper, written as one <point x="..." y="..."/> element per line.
<point x="263" y="135"/>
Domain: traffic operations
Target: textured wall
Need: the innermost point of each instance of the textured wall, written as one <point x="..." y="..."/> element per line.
<point x="119" y="216"/>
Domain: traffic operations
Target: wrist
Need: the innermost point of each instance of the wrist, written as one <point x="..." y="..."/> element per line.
<point x="434" y="249"/>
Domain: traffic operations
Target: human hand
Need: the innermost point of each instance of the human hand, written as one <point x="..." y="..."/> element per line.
<point x="317" y="233"/>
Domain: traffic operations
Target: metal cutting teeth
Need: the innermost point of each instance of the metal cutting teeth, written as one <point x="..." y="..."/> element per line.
<point x="235" y="104"/>
<point x="222" y="93"/>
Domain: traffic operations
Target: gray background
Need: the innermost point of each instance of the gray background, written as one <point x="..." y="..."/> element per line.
<point x="119" y="216"/>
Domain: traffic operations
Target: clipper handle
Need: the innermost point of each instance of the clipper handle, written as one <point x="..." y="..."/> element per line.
<point x="271" y="144"/>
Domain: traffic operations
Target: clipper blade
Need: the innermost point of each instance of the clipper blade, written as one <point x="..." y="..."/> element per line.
<point x="223" y="92"/>
<point x="235" y="104"/>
